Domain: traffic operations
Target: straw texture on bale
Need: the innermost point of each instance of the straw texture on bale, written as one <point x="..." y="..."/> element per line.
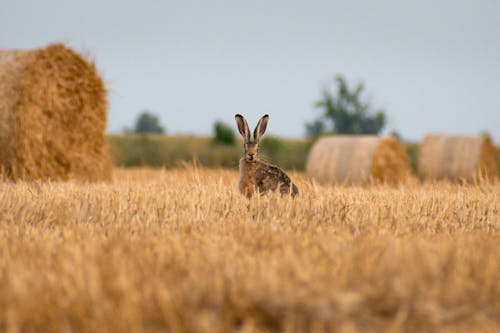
<point x="358" y="160"/>
<point x="458" y="158"/>
<point x="52" y="116"/>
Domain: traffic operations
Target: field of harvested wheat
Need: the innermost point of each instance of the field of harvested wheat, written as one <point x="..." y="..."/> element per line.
<point x="181" y="251"/>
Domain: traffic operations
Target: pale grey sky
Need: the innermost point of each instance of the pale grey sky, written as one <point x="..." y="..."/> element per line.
<point x="434" y="66"/>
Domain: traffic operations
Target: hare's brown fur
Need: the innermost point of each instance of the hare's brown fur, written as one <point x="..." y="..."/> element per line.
<point x="264" y="177"/>
<point x="255" y="175"/>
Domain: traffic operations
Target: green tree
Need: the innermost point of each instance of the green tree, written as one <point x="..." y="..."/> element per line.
<point x="344" y="112"/>
<point x="148" y="123"/>
<point x="223" y="133"/>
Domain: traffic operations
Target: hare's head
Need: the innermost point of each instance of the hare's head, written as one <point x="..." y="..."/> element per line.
<point x="251" y="144"/>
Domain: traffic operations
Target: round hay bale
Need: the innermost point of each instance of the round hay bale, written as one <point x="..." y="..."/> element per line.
<point x="52" y="116"/>
<point x="458" y="158"/>
<point x="358" y="160"/>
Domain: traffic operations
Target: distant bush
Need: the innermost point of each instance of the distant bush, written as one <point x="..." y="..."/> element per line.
<point x="271" y="145"/>
<point x="223" y="134"/>
<point x="412" y="151"/>
<point x="148" y="123"/>
<point x="288" y="154"/>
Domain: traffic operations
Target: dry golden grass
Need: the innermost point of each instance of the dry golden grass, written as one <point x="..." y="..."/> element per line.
<point x="182" y="251"/>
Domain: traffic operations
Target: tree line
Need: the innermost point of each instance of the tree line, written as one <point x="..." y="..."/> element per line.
<point x="342" y="110"/>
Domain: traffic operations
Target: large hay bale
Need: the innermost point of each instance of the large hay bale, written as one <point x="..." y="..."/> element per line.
<point x="358" y="160"/>
<point x="52" y="116"/>
<point x="453" y="157"/>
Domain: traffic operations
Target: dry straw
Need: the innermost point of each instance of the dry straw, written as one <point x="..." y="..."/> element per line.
<point x="459" y="158"/>
<point x="358" y="160"/>
<point x="52" y="116"/>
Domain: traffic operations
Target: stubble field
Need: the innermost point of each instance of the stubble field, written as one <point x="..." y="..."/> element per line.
<point x="181" y="251"/>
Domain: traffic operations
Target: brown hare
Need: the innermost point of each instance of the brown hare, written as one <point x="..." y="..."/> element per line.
<point x="256" y="175"/>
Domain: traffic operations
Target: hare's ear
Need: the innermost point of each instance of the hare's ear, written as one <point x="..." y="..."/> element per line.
<point x="242" y="127"/>
<point x="260" y="128"/>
